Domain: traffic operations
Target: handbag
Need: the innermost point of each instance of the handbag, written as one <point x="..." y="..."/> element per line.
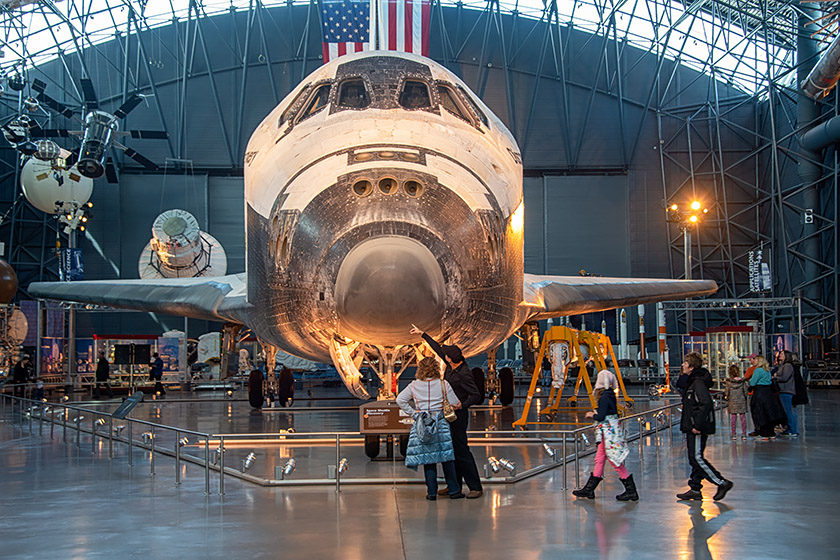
<point x="774" y="386"/>
<point x="448" y="411"/>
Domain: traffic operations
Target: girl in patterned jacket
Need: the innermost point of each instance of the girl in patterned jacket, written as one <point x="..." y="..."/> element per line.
<point x="611" y="442"/>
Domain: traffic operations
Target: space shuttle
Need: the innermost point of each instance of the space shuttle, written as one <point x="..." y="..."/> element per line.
<point x="380" y="193"/>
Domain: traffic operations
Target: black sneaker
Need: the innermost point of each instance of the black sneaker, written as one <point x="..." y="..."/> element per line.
<point x="690" y="495"/>
<point x="722" y="490"/>
<point x="457" y="496"/>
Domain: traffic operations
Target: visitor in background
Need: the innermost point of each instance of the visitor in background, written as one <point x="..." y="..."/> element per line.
<point x="736" y="395"/>
<point x="787" y="390"/>
<point x="766" y="410"/>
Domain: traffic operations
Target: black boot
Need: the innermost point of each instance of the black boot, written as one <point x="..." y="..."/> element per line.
<point x="588" y="490"/>
<point x="629" y="493"/>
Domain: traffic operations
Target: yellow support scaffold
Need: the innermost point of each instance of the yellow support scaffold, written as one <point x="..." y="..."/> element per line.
<point x="597" y="348"/>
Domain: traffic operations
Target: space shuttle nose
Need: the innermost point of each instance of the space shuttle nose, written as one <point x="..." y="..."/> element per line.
<point x="383" y="286"/>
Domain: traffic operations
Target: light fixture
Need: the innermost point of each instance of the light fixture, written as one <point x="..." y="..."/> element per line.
<point x="118" y="429"/>
<point x="674" y="207"/>
<point x="494" y="465"/>
<point x="147" y="437"/>
<point x="100" y="422"/>
<point x="183" y="441"/>
<point x="508" y="465"/>
<point x="78" y="419"/>
<point x="61" y="415"/>
<point x="65" y="398"/>
<point x="549" y="450"/>
<point x="585" y="439"/>
<point x="343" y="465"/>
<point x="249" y="460"/>
<point x="692" y="219"/>
<point x="695" y="205"/>
<point x="289" y="467"/>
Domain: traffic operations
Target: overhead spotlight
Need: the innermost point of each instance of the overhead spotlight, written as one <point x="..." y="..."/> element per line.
<point x="289" y="467"/>
<point x="509" y="466"/>
<point x="183" y="441"/>
<point x="695" y="205"/>
<point x="674" y="207"/>
<point x="249" y="460"/>
<point x="343" y="465"/>
<point x="89" y="204"/>
<point x="494" y="464"/>
<point x="693" y="219"/>
<point x="549" y="450"/>
<point x="229" y="393"/>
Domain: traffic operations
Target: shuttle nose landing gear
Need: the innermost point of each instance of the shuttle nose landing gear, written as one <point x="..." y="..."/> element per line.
<point x="389" y="362"/>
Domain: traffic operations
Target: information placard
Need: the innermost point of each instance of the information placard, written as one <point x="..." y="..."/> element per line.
<point x="383" y="417"/>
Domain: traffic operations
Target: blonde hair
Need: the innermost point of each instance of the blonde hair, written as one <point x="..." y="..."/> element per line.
<point x="761" y="362"/>
<point x="734" y="371"/>
<point x="427" y="369"/>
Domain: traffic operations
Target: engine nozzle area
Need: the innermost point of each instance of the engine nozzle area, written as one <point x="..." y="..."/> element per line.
<point x="386" y="284"/>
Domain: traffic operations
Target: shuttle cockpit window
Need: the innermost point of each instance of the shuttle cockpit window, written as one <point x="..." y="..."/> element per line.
<point x="415" y="95"/>
<point x="317" y="102"/>
<point x="474" y="106"/>
<point x="287" y="114"/>
<point x="449" y="100"/>
<point x="353" y="95"/>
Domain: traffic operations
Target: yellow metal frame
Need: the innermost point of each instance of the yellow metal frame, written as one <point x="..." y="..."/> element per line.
<point x="599" y="348"/>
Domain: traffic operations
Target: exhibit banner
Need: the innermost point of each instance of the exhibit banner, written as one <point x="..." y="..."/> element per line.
<point x="169" y="351"/>
<point x="52" y="356"/>
<point x="85" y="356"/>
<point x="759" y="270"/>
<point x="71" y="267"/>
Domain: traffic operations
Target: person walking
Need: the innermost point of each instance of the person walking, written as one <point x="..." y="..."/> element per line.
<point x="736" y="396"/>
<point x="21" y="374"/>
<point x="157" y="374"/>
<point x="766" y="410"/>
<point x="461" y="378"/>
<point x="611" y="441"/>
<point x="698" y="423"/>
<point x="103" y="374"/>
<point x="801" y="395"/>
<point x="430" y="439"/>
<point x="787" y="390"/>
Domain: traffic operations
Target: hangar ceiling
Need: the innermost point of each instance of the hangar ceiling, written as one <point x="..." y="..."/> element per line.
<point x="686" y="100"/>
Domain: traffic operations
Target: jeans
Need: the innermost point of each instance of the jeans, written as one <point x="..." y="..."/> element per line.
<point x="465" y="467"/>
<point x="430" y="472"/>
<point x="790" y="411"/>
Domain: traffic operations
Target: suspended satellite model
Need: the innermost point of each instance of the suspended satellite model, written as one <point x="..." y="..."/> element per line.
<point x="52" y="188"/>
<point x="179" y="249"/>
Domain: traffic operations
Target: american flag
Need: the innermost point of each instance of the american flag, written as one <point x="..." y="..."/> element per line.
<point x="403" y="25"/>
<point x="345" y="25"/>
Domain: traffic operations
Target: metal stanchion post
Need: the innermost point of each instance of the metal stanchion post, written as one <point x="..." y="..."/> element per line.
<point x="641" y="439"/>
<point x="52" y="423"/>
<point x="207" y="465"/>
<point x="152" y="456"/>
<point x="177" y="458"/>
<point x="671" y="426"/>
<point x="337" y="462"/>
<point x="577" y="463"/>
<point x="30" y="417"/>
<point x="130" y="442"/>
<point x="110" y="437"/>
<point x="41" y="421"/>
<point x="564" y="487"/>
<point x="64" y="423"/>
<point x="93" y="433"/>
<point x="78" y="431"/>
<point x="222" y="466"/>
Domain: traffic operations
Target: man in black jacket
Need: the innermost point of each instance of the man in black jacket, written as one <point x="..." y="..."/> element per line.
<point x="461" y="379"/>
<point x="698" y="419"/>
<point x="103" y="373"/>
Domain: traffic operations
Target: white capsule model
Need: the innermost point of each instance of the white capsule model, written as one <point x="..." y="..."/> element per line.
<point x="380" y="193"/>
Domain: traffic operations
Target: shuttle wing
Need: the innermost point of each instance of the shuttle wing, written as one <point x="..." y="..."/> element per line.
<point x="555" y="296"/>
<point x="219" y="298"/>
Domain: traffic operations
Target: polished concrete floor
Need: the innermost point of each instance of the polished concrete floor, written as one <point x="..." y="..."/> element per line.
<point x="63" y="501"/>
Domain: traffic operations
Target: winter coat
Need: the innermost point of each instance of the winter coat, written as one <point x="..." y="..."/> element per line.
<point x="736" y="394"/>
<point x="461" y="378"/>
<point x="785" y="379"/>
<point x="766" y="408"/>
<point x="427" y="444"/>
<point x="801" y="395"/>
<point x="698" y="409"/>
<point x="607" y="405"/>
<point x="103" y="369"/>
